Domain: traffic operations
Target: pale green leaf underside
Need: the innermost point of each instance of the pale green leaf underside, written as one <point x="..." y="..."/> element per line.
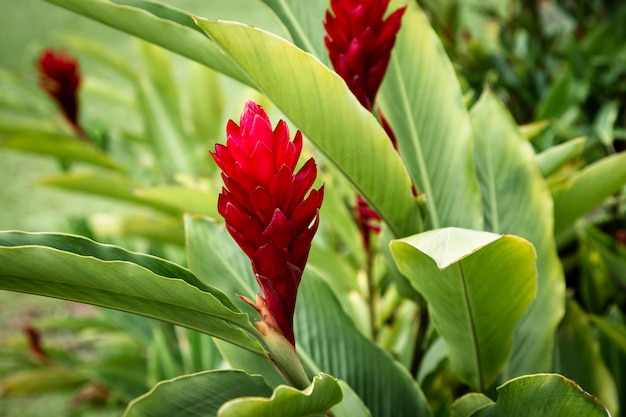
<point x="78" y="269"/>
<point x="543" y="395"/>
<point x="320" y="104"/>
<point x="477" y="300"/>
<point x="516" y="200"/>
<point x="287" y="401"/>
<point x="197" y="395"/>
<point x="421" y="98"/>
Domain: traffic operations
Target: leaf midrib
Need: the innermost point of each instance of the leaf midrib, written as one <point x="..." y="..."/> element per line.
<point x="473" y="331"/>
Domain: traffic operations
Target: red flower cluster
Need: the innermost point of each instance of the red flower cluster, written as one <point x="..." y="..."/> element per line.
<point x="267" y="210"/>
<point x="359" y="42"/>
<point x="59" y="76"/>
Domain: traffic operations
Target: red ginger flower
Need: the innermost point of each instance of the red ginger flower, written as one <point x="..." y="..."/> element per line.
<point x="359" y="42"/>
<point x="59" y="76"/>
<point x="266" y="209"/>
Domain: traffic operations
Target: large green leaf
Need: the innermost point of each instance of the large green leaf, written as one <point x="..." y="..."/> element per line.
<point x="79" y="269"/>
<point x="516" y="200"/>
<point x="304" y="20"/>
<point x="286" y="401"/>
<point x="587" y="189"/>
<point x="197" y="395"/>
<point x="158" y="23"/>
<point x="59" y="146"/>
<point x="421" y="98"/>
<point x="320" y="104"/>
<point x="543" y="395"/>
<point x="477" y="285"/>
<point x="329" y="342"/>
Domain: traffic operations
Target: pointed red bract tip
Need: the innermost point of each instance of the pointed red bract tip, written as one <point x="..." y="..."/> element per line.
<point x="59" y="76"/>
<point x="359" y="42"/>
<point x="270" y="209"/>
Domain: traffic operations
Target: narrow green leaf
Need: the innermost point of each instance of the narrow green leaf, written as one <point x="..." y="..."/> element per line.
<point x="304" y="20"/>
<point x="59" y="146"/>
<point x="116" y="186"/>
<point x="605" y="121"/>
<point x="79" y="269"/>
<point x="196" y="395"/>
<point x="516" y="200"/>
<point x="587" y="189"/>
<point x="478" y="285"/>
<point x="320" y="104"/>
<point x="186" y="200"/>
<point x="555" y="157"/>
<point x="286" y="401"/>
<point x="422" y="100"/>
<point x="543" y="395"/>
<point x="578" y="357"/>
<point x="329" y="341"/>
<point x="614" y="331"/>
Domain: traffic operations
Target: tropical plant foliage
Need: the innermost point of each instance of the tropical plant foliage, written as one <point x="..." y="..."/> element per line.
<point x="496" y="287"/>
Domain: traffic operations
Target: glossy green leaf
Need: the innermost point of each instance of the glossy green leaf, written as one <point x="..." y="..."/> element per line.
<point x="587" y="189"/>
<point x="63" y="147"/>
<point x="79" y="269"/>
<point x="543" y="395"/>
<point x="469" y="404"/>
<point x="286" y="401"/>
<point x="614" y="331"/>
<point x="328" y="341"/>
<point x="160" y="24"/>
<point x="304" y="20"/>
<point x="578" y="357"/>
<point x="421" y="98"/>
<point x="478" y="285"/>
<point x="320" y="104"/>
<point x="197" y="395"/>
<point x="516" y="200"/>
<point x="351" y="405"/>
<point x="556" y="157"/>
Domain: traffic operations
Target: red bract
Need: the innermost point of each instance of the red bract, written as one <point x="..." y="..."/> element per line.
<point x="359" y="43"/>
<point x="267" y="210"/>
<point x="59" y="76"/>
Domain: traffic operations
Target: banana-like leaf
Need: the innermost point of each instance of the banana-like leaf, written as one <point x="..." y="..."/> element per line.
<point x="320" y="104"/>
<point x="421" y="98"/>
<point x="469" y="404"/>
<point x="304" y="20"/>
<point x="197" y="395"/>
<point x="587" y="189"/>
<point x="328" y="341"/>
<point x="160" y="24"/>
<point x="478" y="285"/>
<point x="79" y="269"/>
<point x="286" y="401"/>
<point x="543" y="395"/>
<point x="59" y="146"/>
<point x="516" y="200"/>
<point x="555" y="157"/>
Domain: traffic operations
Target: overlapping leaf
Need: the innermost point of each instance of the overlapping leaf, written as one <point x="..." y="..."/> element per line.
<point x="516" y="200"/>
<point x="319" y="103"/>
<point x="78" y="269"/>
<point x="478" y="285"/>
<point x="422" y="100"/>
